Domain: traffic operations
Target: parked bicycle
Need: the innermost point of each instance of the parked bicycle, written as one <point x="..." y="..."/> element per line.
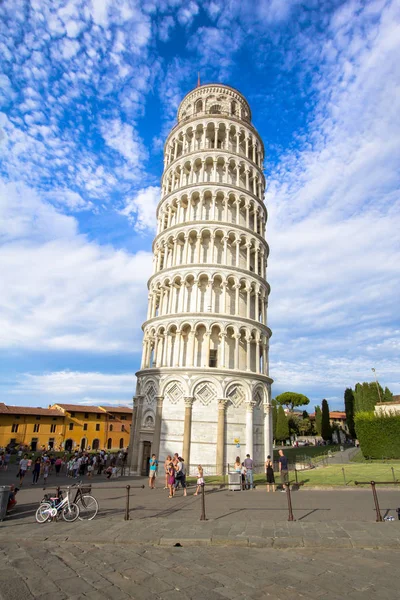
<point x="56" y="506"/>
<point x="88" y="505"/>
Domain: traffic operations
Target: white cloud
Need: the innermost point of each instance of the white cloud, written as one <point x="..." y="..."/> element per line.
<point x="60" y="291"/>
<point x="334" y="220"/>
<point x="122" y="138"/>
<point x="141" y="209"/>
<point x="187" y="13"/>
<point x="90" y="388"/>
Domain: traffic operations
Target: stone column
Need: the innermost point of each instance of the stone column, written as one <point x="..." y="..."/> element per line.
<point x="221" y="361"/>
<point x="155" y="448"/>
<point x="222" y="403"/>
<point x="268" y="433"/>
<point x="249" y="428"/>
<point x="132" y="433"/>
<point x="136" y="436"/>
<point x="187" y="431"/>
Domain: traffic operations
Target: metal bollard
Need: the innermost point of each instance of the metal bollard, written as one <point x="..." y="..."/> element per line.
<point x="295" y="474"/>
<point x="344" y="476"/>
<point x="128" y="488"/>
<point x="289" y="501"/>
<point x="203" y="504"/>
<point x="378" y="510"/>
<point x="394" y="476"/>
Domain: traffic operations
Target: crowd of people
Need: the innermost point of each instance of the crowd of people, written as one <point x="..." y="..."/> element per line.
<point x="175" y="473"/>
<point x="78" y="464"/>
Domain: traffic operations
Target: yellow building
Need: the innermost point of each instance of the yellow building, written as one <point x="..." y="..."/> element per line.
<point x="65" y="426"/>
<point x="95" y="427"/>
<point x="31" y="427"/>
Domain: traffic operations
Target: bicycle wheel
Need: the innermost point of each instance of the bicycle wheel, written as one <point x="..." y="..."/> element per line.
<point x="43" y="513"/>
<point x="70" y="513"/>
<point x="88" y="507"/>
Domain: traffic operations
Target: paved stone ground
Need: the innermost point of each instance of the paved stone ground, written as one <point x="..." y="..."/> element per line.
<point x="246" y="548"/>
<point x="82" y="571"/>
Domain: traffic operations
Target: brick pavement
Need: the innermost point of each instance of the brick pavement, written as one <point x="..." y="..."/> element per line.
<point x="87" y="571"/>
<point x="246" y="548"/>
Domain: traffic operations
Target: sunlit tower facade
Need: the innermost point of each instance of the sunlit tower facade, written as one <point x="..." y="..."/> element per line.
<point x="203" y="389"/>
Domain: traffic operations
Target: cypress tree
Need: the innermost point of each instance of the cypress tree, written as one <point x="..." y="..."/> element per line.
<point x="318" y="420"/>
<point x="326" y="430"/>
<point x="366" y="395"/>
<point x="349" y="408"/>
<point x="274" y="420"/>
<point x="282" y="425"/>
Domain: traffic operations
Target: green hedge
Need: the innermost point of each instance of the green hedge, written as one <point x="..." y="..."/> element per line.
<point x="379" y="435"/>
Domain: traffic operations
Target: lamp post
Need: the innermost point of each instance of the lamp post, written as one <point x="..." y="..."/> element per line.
<point x="377" y="385"/>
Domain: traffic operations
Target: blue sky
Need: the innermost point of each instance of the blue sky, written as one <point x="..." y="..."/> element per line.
<point x="88" y="92"/>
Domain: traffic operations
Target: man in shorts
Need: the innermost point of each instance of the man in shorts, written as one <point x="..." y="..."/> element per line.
<point x="152" y="472"/>
<point x="23" y="467"/>
<point x="283" y="469"/>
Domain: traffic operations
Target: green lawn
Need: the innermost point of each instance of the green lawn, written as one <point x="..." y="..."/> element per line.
<point x="310" y="451"/>
<point x="331" y="475"/>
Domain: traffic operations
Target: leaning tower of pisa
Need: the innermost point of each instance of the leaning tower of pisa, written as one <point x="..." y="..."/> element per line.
<point x="203" y="389"/>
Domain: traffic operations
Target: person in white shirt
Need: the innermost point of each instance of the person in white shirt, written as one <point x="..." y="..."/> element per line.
<point x="23" y="467"/>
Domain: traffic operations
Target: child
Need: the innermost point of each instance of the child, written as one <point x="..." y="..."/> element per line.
<point x="200" y="480"/>
<point x="171" y="479"/>
<point x="46" y="468"/>
<point x="89" y="470"/>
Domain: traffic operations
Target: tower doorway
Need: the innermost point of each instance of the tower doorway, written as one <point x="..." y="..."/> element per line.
<point x="146" y="457"/>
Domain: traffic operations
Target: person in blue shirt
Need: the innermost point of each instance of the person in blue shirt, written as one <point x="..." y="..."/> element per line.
<point x="153" y="471"/>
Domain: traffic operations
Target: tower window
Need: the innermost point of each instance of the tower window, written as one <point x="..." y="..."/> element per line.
<point x="213" y="358"/>
<point x="215" y="109"/>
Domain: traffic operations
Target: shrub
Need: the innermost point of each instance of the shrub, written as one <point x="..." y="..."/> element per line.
<point x="379" y="435"/>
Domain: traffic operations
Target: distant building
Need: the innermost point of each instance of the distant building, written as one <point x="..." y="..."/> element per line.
<point x="31" y="427"/>
<point x="388" y="408"/>
<point x="65" y="427"/>
<point x="337" y="419"/>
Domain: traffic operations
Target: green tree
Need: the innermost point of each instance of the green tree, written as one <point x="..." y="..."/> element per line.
<point x="387" y="395"/>
<point x="274" y="420"/>
<point x="349" y="408"/>
<point x="282" y="425"/>
<point x="305" y="415"/>
<point x="366" y="395"/>
<point x="318" y="420"/>
<point x="292" y="399"/>
<point x="304" y="426"/>
<point x="326" y="430"/>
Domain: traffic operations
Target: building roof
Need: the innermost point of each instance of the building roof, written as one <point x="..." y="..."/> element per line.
<point x="117" y="409"/>
<point x="29" y="410"/>
<point x="333" y="414"/>
<point x="394" y="401"/>
<point x="80" y="408"/>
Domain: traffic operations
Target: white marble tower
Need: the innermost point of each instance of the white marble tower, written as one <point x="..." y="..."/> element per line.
<point x="203" y="389"/>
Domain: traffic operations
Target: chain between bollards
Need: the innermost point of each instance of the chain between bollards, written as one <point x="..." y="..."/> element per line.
<point x="289" y="501"/>
<point x="128" y="488"/>
<point x="203" y="504"/>
<point x="375" y="495"/>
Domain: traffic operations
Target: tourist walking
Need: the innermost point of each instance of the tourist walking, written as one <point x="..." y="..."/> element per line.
<point x="45" y="472"/>
<point x="249" y="466"/>
<point x="166" y="470"/>
<point x="180" y="475"/>
<point x="238" y="465"/>
<point x="153" y="471"/>
<point x="36" y="471"/>
<point x="283" y="469"/>
<point x="200" y="479"/>
<point x="23" y="467"/>
<point x="269" y="472"/>
<point x="57" y="466"/>
<point x="171" y="479"/>
<point x="243" y="476"/>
